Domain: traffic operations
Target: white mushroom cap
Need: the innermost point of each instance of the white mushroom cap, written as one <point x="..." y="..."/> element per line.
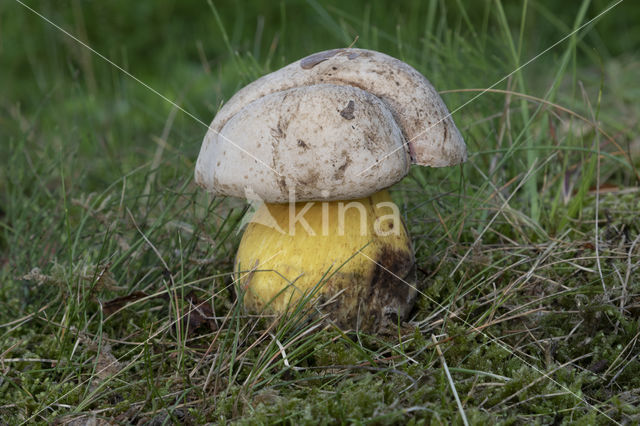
<point x="307" y="143"/>
<point x="252" y="144"/>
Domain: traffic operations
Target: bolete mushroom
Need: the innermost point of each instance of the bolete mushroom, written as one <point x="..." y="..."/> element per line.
<point x="319" y="141"/>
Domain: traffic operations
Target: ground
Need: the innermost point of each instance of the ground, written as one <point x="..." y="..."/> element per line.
<point x="117" y="302"/>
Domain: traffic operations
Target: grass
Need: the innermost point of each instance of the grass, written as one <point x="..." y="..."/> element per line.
<point x="116" y="298"/>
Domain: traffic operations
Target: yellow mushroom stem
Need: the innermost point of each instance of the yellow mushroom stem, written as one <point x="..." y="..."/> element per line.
<point x="354" y="257"/>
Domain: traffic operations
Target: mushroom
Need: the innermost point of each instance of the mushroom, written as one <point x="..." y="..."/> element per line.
<point x="318" y="142"/>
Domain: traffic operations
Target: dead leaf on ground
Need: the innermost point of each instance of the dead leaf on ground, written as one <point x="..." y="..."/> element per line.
<point x="200" y="314"/>
<point x="113" y="305"/>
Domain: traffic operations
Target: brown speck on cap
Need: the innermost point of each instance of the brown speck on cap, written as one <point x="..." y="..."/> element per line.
<point x="347" y="112"/>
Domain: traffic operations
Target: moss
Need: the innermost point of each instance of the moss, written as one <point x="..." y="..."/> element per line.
<point x="336" y="353"/>
<point x="515" y="298"/>
<point x="361" y="400"/>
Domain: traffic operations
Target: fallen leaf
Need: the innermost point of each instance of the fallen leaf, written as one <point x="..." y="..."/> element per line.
<point x="200" y="314"/>
<point x="113" y="305"/>
<point x="599" y="366"/>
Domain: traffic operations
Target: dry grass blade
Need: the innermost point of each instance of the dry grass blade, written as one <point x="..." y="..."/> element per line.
<point x="450" y="379"/>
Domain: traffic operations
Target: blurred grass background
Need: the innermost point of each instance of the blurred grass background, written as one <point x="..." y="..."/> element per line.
<point x="544" y="263"/>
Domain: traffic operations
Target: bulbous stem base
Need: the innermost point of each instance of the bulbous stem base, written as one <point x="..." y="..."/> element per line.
<point x="352" y="259"/>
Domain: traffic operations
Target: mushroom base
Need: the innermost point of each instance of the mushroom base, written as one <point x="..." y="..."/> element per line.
<point x="353" y="260"/>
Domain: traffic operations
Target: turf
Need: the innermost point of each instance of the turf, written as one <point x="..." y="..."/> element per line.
<point x="117" y="304"/>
